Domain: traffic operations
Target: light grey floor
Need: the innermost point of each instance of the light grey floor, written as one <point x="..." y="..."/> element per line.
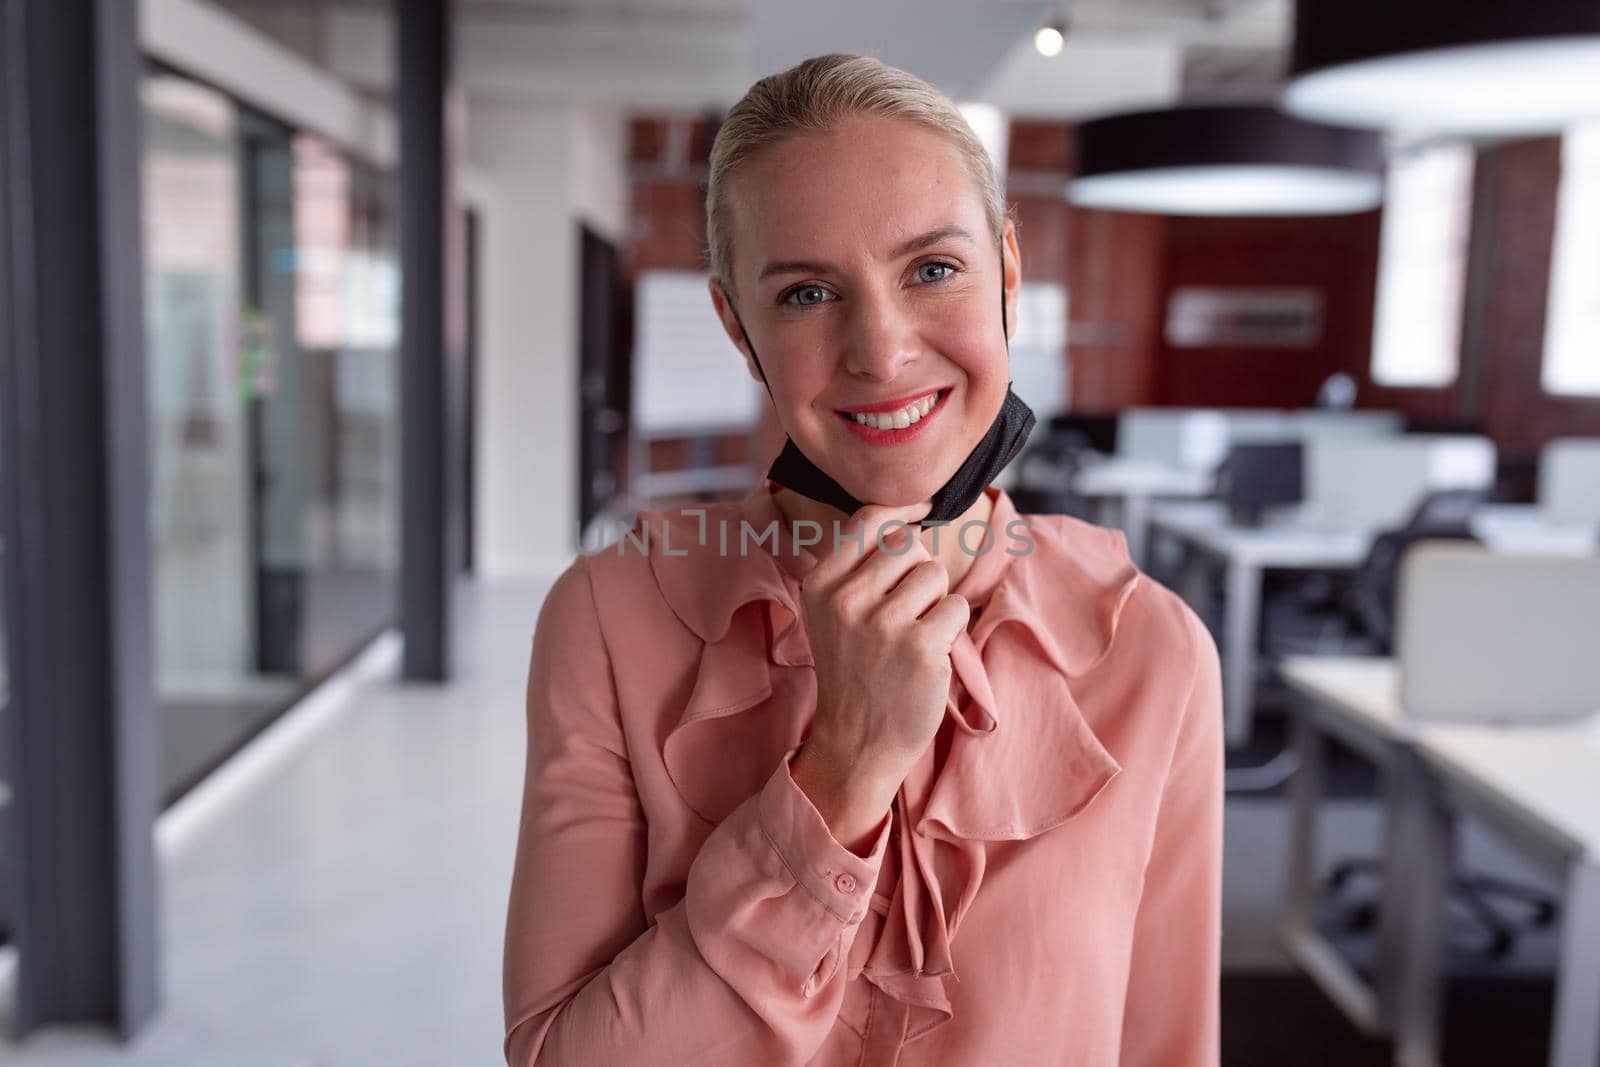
<point x="349" y="911"/>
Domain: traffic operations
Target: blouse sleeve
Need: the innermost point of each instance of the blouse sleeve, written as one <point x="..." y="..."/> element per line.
<point x="744" y="969"/>
<point x="1171" y="1017"/>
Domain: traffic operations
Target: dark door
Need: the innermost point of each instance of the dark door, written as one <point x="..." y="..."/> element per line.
<point x="603" y="376"/>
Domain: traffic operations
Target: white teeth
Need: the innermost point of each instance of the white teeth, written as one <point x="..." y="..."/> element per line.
<point x="898" y="420"/>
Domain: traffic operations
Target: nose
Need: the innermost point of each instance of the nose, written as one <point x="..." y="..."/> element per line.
<point x="882" y="338"/>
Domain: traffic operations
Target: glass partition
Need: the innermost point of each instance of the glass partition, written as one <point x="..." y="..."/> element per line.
<point x="272" y="312"/>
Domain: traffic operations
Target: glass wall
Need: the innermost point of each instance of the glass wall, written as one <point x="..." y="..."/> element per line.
<point x="272" y="325"/>
<point x="272" y="311"/>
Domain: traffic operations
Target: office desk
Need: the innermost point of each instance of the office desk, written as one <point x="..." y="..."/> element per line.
<point x="1130" y="486"/>
<point x="1530" y="529"/>
<point x="1539" y="786"/>
<point x="1245" y="552"/>
<point x="1355" y="700"/>
<point x="1301" y="544"/>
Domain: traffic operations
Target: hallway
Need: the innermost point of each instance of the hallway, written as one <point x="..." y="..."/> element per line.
<point x="346" y="906"/>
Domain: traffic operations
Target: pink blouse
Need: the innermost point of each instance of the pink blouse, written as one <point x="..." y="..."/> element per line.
<point x="1045" y="890"/>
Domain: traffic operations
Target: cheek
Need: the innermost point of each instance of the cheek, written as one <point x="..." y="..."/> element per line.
<point x="977" y="348"/>
<point x="803" y="374"/>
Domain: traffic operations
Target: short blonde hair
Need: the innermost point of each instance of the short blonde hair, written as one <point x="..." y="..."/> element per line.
<point x="816" y="96"/>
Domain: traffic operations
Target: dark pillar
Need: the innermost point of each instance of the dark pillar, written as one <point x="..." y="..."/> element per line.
<point x="82" y="719"/>
<point x="428" y="352"/>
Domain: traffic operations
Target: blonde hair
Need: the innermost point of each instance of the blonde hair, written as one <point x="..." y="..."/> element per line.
<point x="816" y="96"/>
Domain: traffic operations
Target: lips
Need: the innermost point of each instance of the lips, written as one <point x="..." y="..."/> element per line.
<point x="894" y="421"/>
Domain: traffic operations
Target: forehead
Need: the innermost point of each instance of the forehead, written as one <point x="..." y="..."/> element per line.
<point x="856" y="190"/>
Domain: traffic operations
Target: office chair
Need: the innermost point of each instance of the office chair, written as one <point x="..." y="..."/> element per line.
<point x="1353" y="614"/>
<point x="1046" y="472"/>
<point x="1098" y="431"/>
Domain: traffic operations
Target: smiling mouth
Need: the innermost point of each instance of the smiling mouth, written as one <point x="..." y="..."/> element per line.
<point x="898" y="418"/>
<point x="885" y="426"/>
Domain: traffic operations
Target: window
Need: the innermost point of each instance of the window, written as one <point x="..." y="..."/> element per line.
<point x="1572" y="316"/>
<point x="1422" y="265"/>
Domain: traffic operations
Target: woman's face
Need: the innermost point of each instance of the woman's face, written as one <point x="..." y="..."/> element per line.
<point x="869" y="282"/>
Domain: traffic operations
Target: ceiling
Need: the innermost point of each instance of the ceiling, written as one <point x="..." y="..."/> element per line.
<point x="699" y="55"/>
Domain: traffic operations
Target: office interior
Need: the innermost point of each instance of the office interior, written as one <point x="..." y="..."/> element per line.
<point x="336" y="328"/>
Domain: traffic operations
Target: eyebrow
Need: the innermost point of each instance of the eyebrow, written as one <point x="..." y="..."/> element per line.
<point x="916" y="244"/>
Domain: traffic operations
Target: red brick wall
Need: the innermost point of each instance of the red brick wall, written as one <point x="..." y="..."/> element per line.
<point x="1039" y="160"/>
<point x="1116" y="277"/>
<point x="667" y="157"/>
<point x="1517" y="411"/>
<point x="1335" y="255"/>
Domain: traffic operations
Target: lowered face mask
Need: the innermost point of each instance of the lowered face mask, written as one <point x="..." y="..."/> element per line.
<point x="1005" y="437"/>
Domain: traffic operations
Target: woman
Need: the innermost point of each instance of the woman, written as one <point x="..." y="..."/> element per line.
<point x="875" y="797"/>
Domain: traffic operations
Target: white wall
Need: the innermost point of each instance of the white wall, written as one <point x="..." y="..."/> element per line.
<point x="599" y="171"/>
<point x="535" y="171"/>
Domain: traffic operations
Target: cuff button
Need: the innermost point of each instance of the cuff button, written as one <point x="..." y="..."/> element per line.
<point x="846" y="883"/>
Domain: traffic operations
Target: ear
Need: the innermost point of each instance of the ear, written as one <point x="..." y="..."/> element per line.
<point x="730" y="325"/>
<point x="1011" y="273"/>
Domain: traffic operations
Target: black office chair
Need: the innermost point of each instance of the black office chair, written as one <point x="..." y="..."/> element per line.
<point x="1046" y="471"/>
<point x="1353" y="614"/>
<point x="1097" y="429"/>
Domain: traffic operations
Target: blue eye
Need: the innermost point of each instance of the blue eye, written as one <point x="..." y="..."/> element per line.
<point x="922" y="275"/>
<point x="805" y="295"/>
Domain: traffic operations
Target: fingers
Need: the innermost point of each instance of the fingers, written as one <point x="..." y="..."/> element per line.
<point x="859" y="539"/>
<point x="944" y="622"/>
<point x="922" y="586"/>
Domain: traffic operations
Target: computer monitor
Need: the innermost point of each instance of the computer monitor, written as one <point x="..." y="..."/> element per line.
<point x="1259" y="476"/>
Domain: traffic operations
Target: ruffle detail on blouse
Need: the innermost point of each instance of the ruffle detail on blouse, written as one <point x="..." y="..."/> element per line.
<point x="1014" y="758"/>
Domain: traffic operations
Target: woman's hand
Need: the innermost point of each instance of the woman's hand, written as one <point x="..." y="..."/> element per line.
<point x="881" y="622"/>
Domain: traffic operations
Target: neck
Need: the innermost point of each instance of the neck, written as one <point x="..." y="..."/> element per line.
<point x="945" y="547"/>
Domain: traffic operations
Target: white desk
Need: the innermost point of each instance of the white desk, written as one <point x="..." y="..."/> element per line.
<point x="1539" y="786"/>
<point x="1245" y="552"/>
<point x="1354" y="699"/>
<point x="1304" y="544"/>
<point x="1530" y="529"/>
<point x="1129" y="486"/>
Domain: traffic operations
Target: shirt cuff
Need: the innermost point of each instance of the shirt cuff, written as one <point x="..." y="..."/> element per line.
<point x="840" y="879"/>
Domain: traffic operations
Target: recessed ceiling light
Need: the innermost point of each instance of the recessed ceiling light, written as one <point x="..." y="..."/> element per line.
<point x="1050" y="39"/>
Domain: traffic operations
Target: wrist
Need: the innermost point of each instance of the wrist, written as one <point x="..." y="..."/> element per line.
<point x="853" y="803"/>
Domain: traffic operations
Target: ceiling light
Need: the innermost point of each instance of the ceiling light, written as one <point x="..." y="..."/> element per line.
<point x="1483" y="67"/>
<point x="1224" y="160"/>
<point x="1049" y="39"/>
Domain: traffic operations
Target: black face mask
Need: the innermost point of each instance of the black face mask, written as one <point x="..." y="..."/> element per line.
<point x="793" y="469"/>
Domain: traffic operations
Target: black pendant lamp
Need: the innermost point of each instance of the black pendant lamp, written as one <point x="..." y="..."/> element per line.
<point x="1225" y="160"/>
<point x="1465" y="67"/>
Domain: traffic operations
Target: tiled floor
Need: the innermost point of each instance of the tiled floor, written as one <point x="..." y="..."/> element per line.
<point x="346" y="908"/>
<point x="349" y="910"/>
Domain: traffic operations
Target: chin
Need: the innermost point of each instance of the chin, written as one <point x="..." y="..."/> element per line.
<point x="898" y="490"/>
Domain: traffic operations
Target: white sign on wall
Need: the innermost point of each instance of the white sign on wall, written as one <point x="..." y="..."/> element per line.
<point x="687" y="376"/>
<point x="1039" y="348"/>
<point x="1209" y="317"/>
